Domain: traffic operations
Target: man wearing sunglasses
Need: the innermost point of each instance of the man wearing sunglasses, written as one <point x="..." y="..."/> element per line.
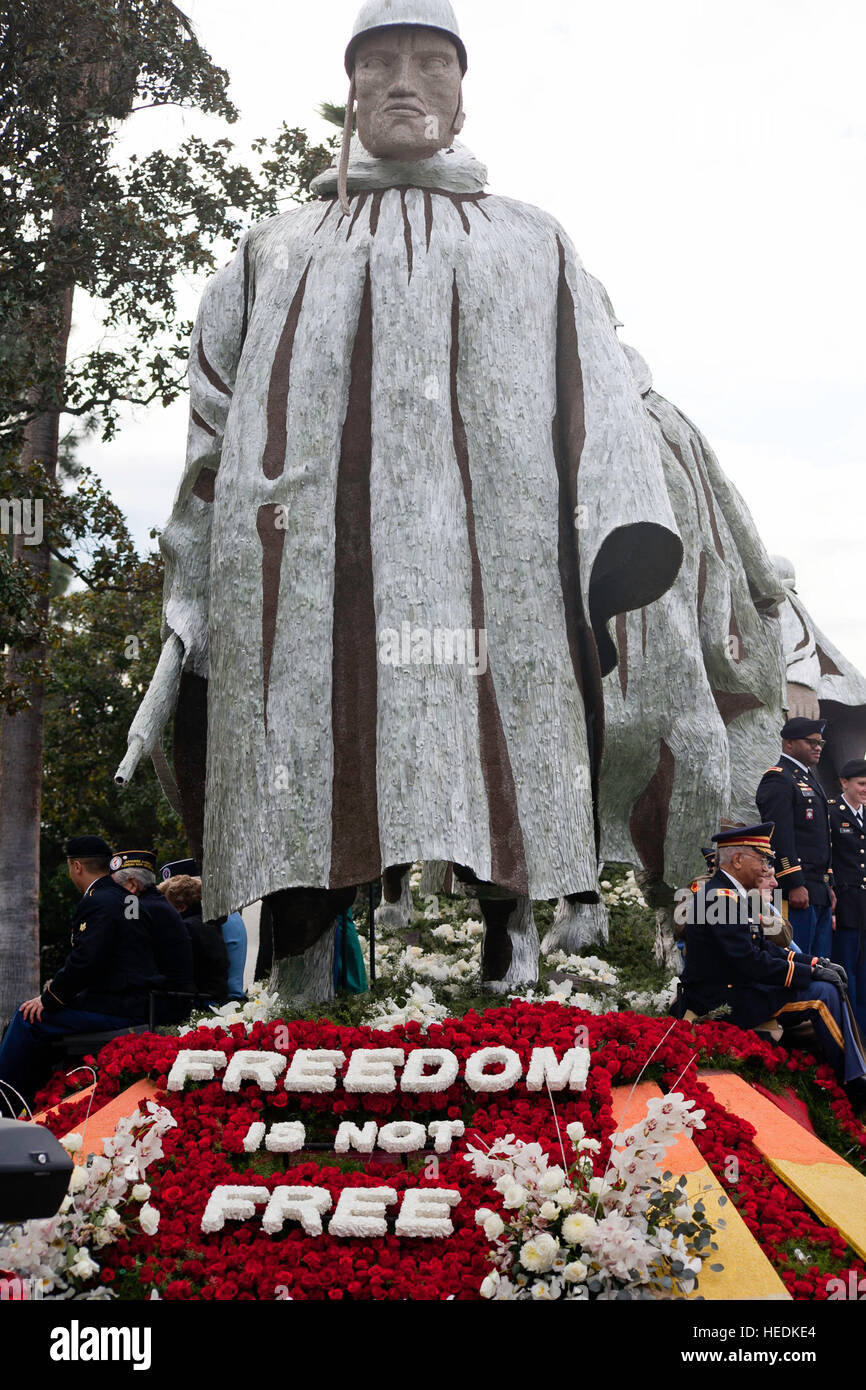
<point x="791" y="795"/>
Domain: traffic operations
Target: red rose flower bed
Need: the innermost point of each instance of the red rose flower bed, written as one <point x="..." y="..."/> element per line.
<point x="242" y="1261"/>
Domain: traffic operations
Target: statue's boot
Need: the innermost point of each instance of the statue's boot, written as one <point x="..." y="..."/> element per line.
<point x="509" y="950"/>
<point x="394" y="912"/>
<point x="304" y="924"/>
<point x="661" y="899"/>
<point x="576" y="925"/>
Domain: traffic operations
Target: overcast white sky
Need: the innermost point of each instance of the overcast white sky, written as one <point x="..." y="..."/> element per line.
<point x="708" y="162"/>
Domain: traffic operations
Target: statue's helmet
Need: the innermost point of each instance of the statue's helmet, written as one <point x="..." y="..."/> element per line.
<point x="386" y="14"/>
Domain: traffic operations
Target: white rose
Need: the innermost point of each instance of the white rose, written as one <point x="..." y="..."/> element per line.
<point x="565" y="1197"/>
<point x="83" y="1267"/>
<point x="552" y="1179"/>
<point x="481" y="1215"/>
<point x="549" y="1211"/>
<point x="575" y="1131"/>
<point x="598" y="1187"/>
<point x="110" y="1218"/>
<point x="683" y="1212"/>
<point x="489" y="1286"/>
<point x="576" y="1272"/>
<point x="537" y="1255"/>
<point x="589" y="1146"/>
<point x="140" y="1192"/>
<point x="71" y="1143"/>
<point x="149" y="1219"/>
<point x="493" y="1226"/>
<point x="514" y="1196"/>
<point x="576" y="1228"/>
<point x="78" y="1181"/>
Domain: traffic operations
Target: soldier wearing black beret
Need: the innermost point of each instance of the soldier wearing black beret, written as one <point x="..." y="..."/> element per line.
<point x="848" y="838"/>
<point x="790" y="795"/>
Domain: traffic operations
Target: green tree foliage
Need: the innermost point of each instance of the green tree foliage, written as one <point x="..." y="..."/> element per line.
<point x="104" y="645"/>
<point x="74" y="217"/>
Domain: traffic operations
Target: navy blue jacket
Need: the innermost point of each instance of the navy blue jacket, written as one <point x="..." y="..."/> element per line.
<point x="729" y="962"/>
<point x="112" y="966"/>
<point x="795" y="801"/>
<point x="849" y="845"/>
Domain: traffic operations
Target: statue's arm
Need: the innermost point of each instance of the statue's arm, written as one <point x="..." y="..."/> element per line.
<point x="215" y="351"/>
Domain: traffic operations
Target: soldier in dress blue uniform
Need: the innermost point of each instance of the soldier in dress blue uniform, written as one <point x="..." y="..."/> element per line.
<point x="790" y="795"/>
<point x="135" y="870"/>
<point x="848" y="836"/>
<point x="728" y="961"/>
<point x="104" y="982"/>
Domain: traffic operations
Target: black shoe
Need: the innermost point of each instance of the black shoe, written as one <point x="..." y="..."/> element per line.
<point x="856" y="1093"/>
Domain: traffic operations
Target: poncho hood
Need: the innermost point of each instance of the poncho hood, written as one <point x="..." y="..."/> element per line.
<point x="455" y="170"/>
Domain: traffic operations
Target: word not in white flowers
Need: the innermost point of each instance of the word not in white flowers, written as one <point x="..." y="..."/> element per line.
<point x="567" y="1233"/>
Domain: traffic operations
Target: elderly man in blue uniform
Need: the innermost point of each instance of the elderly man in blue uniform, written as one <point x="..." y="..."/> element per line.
<point x="135" y="870"/>
<point x="848" y="840"/>
<point x="104" y="982"/>
<point x="728" y="961"/>
<point x="790" y="795"/>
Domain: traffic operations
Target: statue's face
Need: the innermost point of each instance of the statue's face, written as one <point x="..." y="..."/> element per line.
<point x="407" y="82"/>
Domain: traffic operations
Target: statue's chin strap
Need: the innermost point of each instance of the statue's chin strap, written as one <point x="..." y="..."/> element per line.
<point x="343" y="173"/>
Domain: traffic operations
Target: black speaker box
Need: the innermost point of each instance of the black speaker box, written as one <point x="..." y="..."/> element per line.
<point x="34" y="1171"/>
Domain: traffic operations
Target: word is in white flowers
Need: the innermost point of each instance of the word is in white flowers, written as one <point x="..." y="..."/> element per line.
<point x="361" y="1212"/>
<point x="373" y="1070"/>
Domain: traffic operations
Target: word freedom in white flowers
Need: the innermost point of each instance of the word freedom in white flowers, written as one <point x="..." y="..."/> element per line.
<point x="373" y="1070"/>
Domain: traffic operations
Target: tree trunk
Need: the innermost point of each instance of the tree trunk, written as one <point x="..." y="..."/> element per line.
<point x="101" y="71"/>
<point x="21" y="757"/>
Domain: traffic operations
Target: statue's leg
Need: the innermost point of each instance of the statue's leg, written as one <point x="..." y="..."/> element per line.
<point x="435" y="878"/>
<point x="304" y="921"/>
<point x="394" y="912"/>
<point x="509" y="950"/>
<point x="660" y="897"/>
<point x="577" y="924"/>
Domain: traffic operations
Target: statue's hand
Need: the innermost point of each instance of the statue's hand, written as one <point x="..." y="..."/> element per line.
<point x="802" y="702"/>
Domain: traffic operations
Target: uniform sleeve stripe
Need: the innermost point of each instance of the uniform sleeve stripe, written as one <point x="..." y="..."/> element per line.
<point x="780" y="873"/>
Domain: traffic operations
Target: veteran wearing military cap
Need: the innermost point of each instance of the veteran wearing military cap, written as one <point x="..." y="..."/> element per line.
<point x="105" y="980"/>
<point x="729" y="962"/>
<point x="848" y="841"/>
<point x="790" y="795"/>
<point x="135" y="871"/>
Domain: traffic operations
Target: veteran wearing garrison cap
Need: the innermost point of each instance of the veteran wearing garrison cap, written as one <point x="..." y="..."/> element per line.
<point x="790" y="795"/>
<point x="848" y="841"/>
<point x="729" y="962"/>
<point x="105" y="980"/>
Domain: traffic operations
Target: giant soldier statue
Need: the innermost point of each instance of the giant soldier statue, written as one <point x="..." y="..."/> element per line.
<point x="420" y="487"/>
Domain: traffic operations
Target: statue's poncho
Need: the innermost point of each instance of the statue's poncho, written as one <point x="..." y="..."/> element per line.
<point x="694" y="708"/>
<point x="416" y="415"/>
